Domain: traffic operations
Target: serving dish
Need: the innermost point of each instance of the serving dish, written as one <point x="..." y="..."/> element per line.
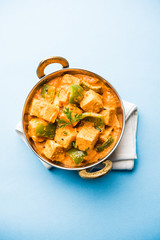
<point x="84" y="171"/>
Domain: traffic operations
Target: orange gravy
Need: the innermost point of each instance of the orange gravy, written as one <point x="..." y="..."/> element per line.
<point x="110" y="100"/>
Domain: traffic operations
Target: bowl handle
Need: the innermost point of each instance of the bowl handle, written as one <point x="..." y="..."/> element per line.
<point x="91" y="175"/>
<point x="43" y="64"/>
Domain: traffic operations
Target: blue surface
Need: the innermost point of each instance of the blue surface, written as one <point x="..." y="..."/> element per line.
<point x="119" y="40"/>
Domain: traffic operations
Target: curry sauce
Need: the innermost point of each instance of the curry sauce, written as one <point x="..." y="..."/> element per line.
<point x="74" y="120"/>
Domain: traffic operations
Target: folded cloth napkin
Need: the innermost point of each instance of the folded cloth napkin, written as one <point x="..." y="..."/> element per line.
<point x="124" y="155"/>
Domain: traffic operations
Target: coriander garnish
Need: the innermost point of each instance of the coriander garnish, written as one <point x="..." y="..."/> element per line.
<point x="68" y="113"/>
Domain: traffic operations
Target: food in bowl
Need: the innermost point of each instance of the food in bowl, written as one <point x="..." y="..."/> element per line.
<point x="74" y="120"/>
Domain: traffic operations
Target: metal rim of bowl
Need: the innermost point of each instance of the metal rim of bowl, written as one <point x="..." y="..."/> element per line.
<point x="44" y="79"/>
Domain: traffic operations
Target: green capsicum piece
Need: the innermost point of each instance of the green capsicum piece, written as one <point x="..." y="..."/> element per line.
<point x="96" y="118"/>
<point x="105" y="144"/>
<point x="48" y="92"/>
<point x="77" y="155"/>
<point x="43" y="129"/>
<point x="76" y="94"/>
<point x="88" y="86"/>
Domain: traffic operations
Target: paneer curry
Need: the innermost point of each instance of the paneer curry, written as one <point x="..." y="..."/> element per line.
<point x="74" y="120"/>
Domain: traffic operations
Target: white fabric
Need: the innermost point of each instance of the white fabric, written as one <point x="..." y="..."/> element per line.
<point x="124" y="155"/>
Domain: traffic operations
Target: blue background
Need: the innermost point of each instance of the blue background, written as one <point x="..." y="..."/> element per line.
<point x="119" y="40"/>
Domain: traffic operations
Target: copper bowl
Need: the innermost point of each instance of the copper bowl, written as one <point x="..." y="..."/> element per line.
<point x="84" y="172"/>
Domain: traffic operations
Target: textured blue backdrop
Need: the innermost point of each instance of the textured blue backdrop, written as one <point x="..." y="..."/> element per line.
<point x="119" y="40"/>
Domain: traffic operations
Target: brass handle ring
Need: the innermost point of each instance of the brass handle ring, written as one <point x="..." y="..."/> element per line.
<point x="43" y="64"/>
<point x="91" y="175"/>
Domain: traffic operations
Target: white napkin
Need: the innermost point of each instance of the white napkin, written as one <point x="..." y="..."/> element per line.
<point x="124" y="155"/>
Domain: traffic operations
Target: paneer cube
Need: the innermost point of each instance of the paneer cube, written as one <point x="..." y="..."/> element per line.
<point x="109" y="98"/>
<point x="37" y="107"/>
<point x="65" y="136"/>
<point x="109" y="115"/>
<point x="86" y="138"/>
<point x="52" y="149"/>
<point x="117" y="128"/>
<point x="116" y="123"/>
<point x="83" y="124"/>
<point x="62" y="96"/>
<point x="92" y="102"/>
<point x="106" y="133"/>
<point x="75" y="110"/>
<point x="70" y="79"/>
<point x="44" y="110"/>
